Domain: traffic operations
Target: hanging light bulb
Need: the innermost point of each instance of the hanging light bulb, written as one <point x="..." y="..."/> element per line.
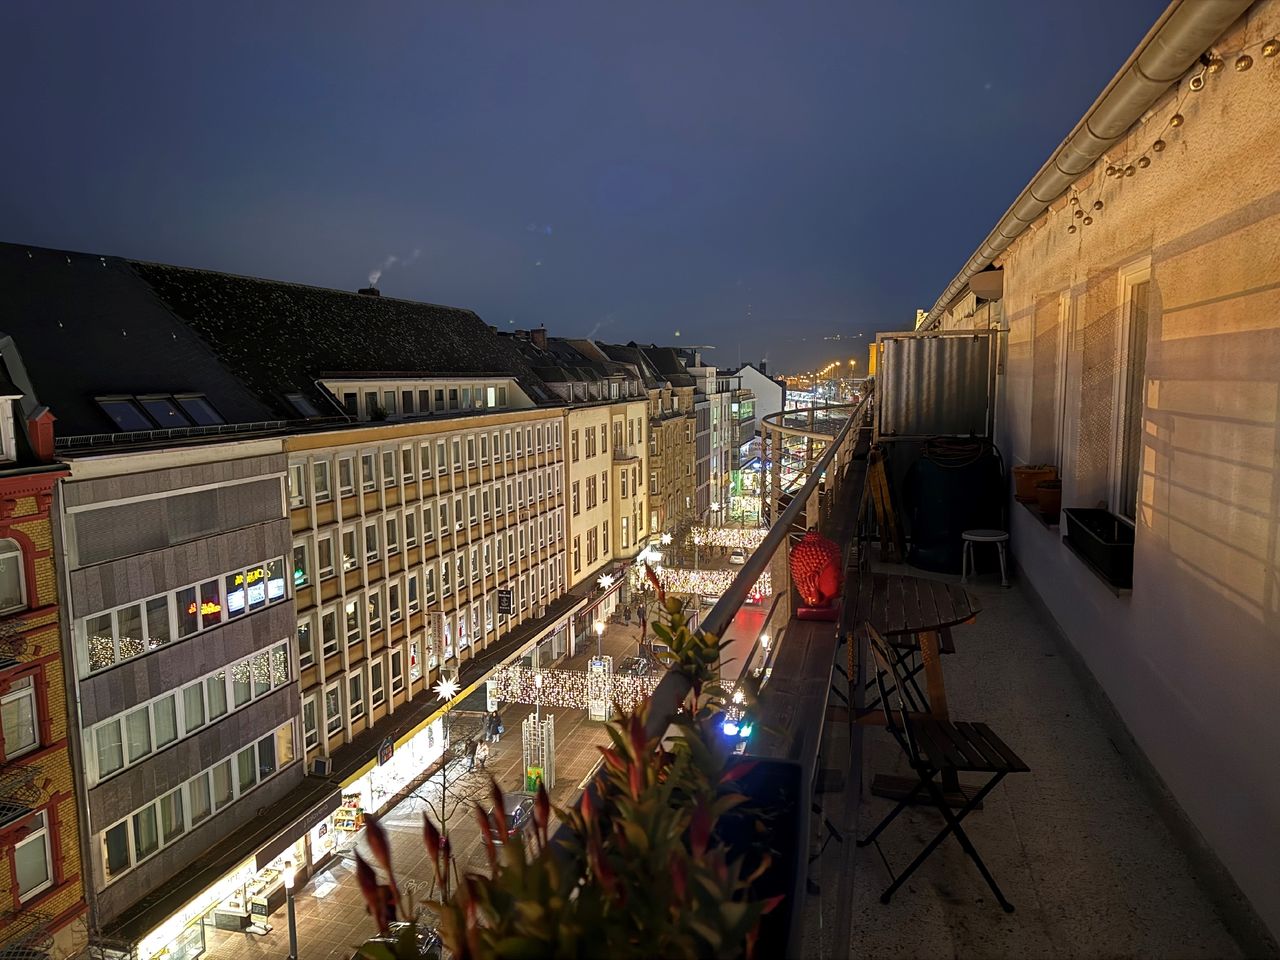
<point x="1075" y="201"/>
<point x="1097" y="204"/>
<point x="1129" y="171"/>
<point x="1158" y="146"/>
<point x="1088" y="220"/>
<point x="1177" y="120"/>
<point x="1071" y="228"/>
<point x="1144" y="162"/>
<point x="1079" y="214"/>
<point x="1215" y="65"/>
<point x="1243" y="62"/>
<point x="1271" y="47"/>
<point x="1111" y="170"/>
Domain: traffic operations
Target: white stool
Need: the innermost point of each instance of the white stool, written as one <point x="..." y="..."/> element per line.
<point x="970" y="537"/>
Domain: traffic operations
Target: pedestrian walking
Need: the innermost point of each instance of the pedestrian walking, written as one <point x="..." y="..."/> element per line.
<point x="494" y="723"/>
<point x="482" y="754"/>
<point x="471" y="755"/>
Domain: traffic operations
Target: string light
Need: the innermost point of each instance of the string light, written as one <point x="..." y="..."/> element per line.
<point x="572" y="689"/>
<point x="710" y="583"/>
<point x="746" y="537"/>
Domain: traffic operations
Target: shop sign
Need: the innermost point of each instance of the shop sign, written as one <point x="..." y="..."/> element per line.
<point x="386" y="751"/>
<point x="168" y="931"/>
<point x="505" y="606"/>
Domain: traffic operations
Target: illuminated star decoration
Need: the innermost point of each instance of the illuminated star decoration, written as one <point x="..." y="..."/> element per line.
<point x="605" y="580"/>
<point x="666" y="539"/>
<point x="447" y="688"/>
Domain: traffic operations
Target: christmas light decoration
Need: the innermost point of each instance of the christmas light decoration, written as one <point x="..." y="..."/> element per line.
<point x="447" y="688"/>
<point x="710" y="583"/>
<point x="605" y="581"/>
<point x="571" y="689"/>
<point x="748" y="538"/>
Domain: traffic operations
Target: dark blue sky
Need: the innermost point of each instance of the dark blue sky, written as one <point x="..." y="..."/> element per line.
<point x="633" y="170"/>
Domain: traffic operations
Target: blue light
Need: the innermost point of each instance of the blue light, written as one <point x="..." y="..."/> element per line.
<point x="730" y="728"/>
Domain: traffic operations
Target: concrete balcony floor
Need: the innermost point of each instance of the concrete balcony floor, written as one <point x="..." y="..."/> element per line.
<point x="1085" y="846"/>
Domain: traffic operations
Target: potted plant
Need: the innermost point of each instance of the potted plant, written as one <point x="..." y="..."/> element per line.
<point x="1026" y="477"/>
<point x="1049" y="499"/>
<point x="660" y="858"/>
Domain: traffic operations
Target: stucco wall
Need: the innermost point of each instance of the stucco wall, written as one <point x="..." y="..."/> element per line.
<point x="1191" y="658"/>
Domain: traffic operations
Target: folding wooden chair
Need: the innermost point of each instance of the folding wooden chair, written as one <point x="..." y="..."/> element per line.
<point x="934" y="746"/>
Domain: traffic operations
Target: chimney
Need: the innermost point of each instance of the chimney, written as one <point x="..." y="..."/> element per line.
<point x="40" y="433"/>
<point x="538" y="337"/>
<point x="764" y="367"/>
<point x="370" y="291"/>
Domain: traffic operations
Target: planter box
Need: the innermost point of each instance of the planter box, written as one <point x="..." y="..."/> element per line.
<point x="1104" y="541"/>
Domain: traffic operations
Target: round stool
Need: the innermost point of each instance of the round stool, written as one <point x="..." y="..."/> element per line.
<point x="970" y="537"/>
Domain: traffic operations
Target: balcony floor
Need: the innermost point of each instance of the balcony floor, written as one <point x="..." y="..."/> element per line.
<point x="1081" y="845"/>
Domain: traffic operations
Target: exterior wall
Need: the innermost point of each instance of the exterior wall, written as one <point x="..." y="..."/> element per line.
<point x="141" y="526"/>
<point x="591" y="490"/>
<point x="409" y="649"/>
<point x="630" y="491"/>
<point x="31" y="650"/>
<point x="672" y="458"/>
<point x="768" y="394"/>
<point x="1190" y="656"/>
<point x="703" y="454"/>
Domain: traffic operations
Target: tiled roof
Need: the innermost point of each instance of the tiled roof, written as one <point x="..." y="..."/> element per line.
<point x="279" y="336"/>
<point x="667" y="362"/>
<point x="84" y="326"/>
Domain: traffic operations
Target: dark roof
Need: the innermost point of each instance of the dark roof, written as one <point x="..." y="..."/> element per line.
<point x="667" y="362"/>
<point x="85" y="326"/>
<point x="300" y="331"/>
<point x="633" y="355"/>
<point x="78" y="326"/>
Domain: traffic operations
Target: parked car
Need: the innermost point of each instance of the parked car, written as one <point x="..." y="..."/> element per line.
<point x="634" y="667"/>
<point x="519" y="812"/>
<point x="430" y="946"/>
<point x="738" y="557"/>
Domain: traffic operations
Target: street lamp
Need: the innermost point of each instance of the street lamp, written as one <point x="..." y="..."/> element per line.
<point x="599" y="629"/>
<point x="289" y="877"/>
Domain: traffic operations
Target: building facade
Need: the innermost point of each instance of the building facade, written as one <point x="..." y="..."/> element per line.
<point x="1141" y="354"/>
<point x="42" y="901"/>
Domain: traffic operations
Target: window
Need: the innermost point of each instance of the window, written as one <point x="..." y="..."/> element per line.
<point x="604" y="487"/>
<point x="267" y="759"/>
<point x="199" y="409"/>
<point x="310" y="724"/>
<point x="297" y="484"/>
<point x="193" y="707"/>
<point x="329" y="633"/>
<point x="116" y="849"/>
<point x="324" y="547"/>
<point x="109" y="748"/>
<point x="407" y="470"/>
<point x="350" y="549"/>
<point x="223" y="784"/>
<point x="320" y="474"/>
<point x="406" y="401"/>
<point x="146" y="836"/>
<point x="346" y="476"/>
<point x="377" y="684"/>
<point x="200" y="800"/>
<point x="394" y="611"/>
<point x="368" y="472"/>
<point x="442" y="463"/>
<point x="355" y="689"/>
<point x="576" y="510"/>
<point x="393" y="536"/>
<point x="306" y="644"/>
<point x="333" y="708"/>
<point x="414" y="600"/>
<point x="471" y="451"/>
<point x="375" y="610"/>
<point x="352" y="610"/>
<point x="301" y="567"/>
<point x="1132" y="388"/>
<point x="410" y="528"/>
<point x="371" y="542"/>
<point x="284" y="746"/>
<point x="215" y="689"/>
<point x="32" y="862"/>
<point x="125" y="413"/>
<point x="164" y="715"/>
<point x="247" y="767"/>
<point x="302" y="405"/>
<point x="18" y="711"/>
<point x="604" y="439"/>
<point x="388" y="467"/>
<point x="577" y="554"/>
<point x="172" y="822"/>
<point x="397" y="671"/>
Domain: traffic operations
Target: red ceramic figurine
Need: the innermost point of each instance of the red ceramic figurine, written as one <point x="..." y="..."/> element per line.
<point x="815" y="571"/>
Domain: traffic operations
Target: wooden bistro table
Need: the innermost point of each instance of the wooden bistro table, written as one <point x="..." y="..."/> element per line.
<point x="901" y="607"/>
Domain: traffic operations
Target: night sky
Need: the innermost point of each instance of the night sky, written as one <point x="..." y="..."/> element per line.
<point x="756" y="176"/>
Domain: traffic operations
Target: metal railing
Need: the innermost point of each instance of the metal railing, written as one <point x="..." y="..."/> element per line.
<point x="91" y="441"/>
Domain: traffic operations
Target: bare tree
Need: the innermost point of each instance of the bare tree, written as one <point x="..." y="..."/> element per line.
<point x="456" y="787"/>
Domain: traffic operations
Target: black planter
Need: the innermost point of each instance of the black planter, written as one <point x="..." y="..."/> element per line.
<point x="1105" y="541"/>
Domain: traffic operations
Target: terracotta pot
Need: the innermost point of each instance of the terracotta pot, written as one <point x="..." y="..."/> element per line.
<point x="1026" y="478"/>
<point x="1049" y="497"/>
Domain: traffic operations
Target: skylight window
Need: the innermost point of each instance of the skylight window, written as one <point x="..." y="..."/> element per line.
<point x="163" y="411"/>
<point x="303" y="405"/>
<point x="125" y="414"/>
<point x="199" y="409"/>
<point x="132" y="414"/>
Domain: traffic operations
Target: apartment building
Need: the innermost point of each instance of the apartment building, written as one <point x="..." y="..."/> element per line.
<point x="378" y="472"/>
<point x="671" y="454"/>
<point x="1135" y="315"/>
<point x="42" y="904"/>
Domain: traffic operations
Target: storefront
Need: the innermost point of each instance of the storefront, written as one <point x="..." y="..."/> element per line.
<point x="376" y="789"/>
<point x="182" y="935"/>
<point x="608" y="593"/>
